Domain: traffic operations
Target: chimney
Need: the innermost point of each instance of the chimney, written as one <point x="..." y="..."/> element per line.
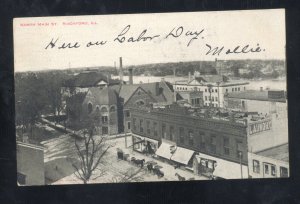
<point x="130" y="75"/>
<point x="261" y="88"/>
<point x="121" y="70"/>
<point x="189" y="76"/>
<point x="157" y="88"/>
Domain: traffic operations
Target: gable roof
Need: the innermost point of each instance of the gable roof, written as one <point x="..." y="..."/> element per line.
<point x="89" y="79"/>
<point x="105" y="96"/>
<point x="160" y="91"/>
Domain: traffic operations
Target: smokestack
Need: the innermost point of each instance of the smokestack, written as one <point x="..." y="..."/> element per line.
<point x="121" y="70"/>
<point x="130" y="75"/>
<point x="218" y="69"/>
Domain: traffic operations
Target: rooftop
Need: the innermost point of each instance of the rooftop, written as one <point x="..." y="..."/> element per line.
<point x="208" y="113"/>
<point x="280" y="152"/>
<point x="260" y="95"/>
<point x="89" y="79"/>
<point x="164" y="93"/>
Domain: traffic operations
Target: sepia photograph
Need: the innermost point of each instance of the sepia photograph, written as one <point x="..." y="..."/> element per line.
<point x="151" y="97"/>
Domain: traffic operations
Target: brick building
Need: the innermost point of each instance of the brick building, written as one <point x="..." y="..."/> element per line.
<point x="101" y="106"/>
<point x="203" y="144"/>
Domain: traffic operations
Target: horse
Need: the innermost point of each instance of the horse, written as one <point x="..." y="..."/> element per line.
<point x="158" y="172"/>
<point x="139" y="162"/>
<point x="133" y="159"/>
<point x="150" y="167"/>
<point x="180" y="178"/>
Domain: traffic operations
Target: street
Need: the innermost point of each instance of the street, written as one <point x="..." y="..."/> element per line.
<point x="63" y="148"/>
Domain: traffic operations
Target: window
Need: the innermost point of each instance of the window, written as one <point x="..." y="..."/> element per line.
<point x="273" y="170"/>
<point x="266" y="169"/>
<point x="284" y="172"/>
<point x="97" y="109"/>
<point x="112" y="109"/>
<point x="206" y="98"/>
<point x="163" y="130"/>
<point x="216" y="98"/>
<point x="205" y="90"/>
<point x="244" y="88"/>
<point x="181" y="135"/>
<point x="239" y="89"/>
<point x="256" y="166"/>
<point x="140" y="103"/>
<point x="90" y="108"/>
<point x="134" y="123"/>
<point x="232" y="89"/>
<point x="226" y="145"/>
<point x="155" y="129"/>
<point x="104" y="119"/>
<point x="239" y="149"/>
<point x="216" y="90"/>
<point x="226" y="90"/>
<point x="104" y="110"/>
<point x="213" y="143"/>
<point x="191" y="137"/>
<point x="235" y="89"/>
<point x="127" y="113"/>
<point x="141" y="125"/>
<point x="202" y="140"/>
<point x="21" y="178"/>
<point x="148" y="127"/>
<point x="104" y="130"/>
<point x="269" y="169"/>
<point x="172" y="132"/>
<point x="128" y="125"/>
<point x="212" y="90"/>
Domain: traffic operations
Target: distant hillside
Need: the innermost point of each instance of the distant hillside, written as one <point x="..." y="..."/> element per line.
<point x="248" y="69"/>
<point x="234" y="68"/>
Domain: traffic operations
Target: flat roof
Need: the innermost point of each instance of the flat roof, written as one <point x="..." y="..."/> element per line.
<point x="254" y="95"/>
<point x="280" y="152"/>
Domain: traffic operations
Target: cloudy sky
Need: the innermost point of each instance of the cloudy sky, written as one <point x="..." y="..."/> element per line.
<point x="265" y="28"/>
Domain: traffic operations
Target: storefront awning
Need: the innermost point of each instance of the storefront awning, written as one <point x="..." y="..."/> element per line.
<point x="182" y="155"/>
<point x="226" y="169"/>
<point x="145" y="138"/>
<point x="164" y="150"/>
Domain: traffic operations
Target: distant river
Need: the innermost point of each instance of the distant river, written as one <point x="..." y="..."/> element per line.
<point x="254" y="84"/>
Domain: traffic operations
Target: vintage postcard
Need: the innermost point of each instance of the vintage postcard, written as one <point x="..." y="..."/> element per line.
<point x="151" y="97"/>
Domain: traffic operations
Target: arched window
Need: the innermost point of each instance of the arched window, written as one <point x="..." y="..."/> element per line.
<point x="140" y="102"/>
<point x="97" y="109"/>
<point x="112" y="109"/>
<point x="90" y="108"/>
<point x="103" y="110"/>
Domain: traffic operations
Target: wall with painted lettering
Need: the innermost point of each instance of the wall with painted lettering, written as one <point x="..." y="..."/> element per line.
<point x="260" y="140"/>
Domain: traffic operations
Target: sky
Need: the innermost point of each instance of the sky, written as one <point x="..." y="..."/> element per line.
<point x="263" y="28"/>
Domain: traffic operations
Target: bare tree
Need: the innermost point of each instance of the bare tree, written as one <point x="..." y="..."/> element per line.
<point x="129" y="176"/>
<point x="90" y="153"/>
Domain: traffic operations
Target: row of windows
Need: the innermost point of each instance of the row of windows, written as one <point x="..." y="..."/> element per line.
<point x="235" y="89"/>
<point x="103" y="109"/>
<point x="204" y="143"/>
<point x="211" y="98"/>
<point x="269" y="169"/>
<point x="212" y="104"/>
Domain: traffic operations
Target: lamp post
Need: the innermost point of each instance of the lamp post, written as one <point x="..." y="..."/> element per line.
<point x="240" y="154"/>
